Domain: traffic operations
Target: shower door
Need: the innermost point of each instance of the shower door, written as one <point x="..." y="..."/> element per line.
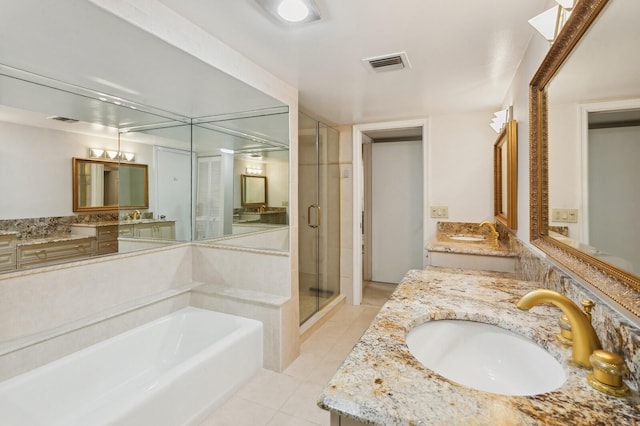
<point x="319" y="215"/>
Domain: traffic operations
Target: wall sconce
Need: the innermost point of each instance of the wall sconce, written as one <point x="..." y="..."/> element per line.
<point x="96" y="153"/>
<point x="111" y="155"/>
<point x="292" y="11"/>
<point x="252" y="171"/>
<point x="550" y="22"/>
<point x="500" y="118"/>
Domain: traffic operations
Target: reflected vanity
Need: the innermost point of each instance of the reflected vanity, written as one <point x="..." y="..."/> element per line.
<point x="585" y="96"/>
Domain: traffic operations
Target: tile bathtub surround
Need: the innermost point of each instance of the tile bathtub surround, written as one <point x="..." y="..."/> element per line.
<point x="380" y="382"/>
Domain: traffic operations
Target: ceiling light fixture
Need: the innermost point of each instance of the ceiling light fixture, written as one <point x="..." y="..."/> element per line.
<point x="291" y="11"/>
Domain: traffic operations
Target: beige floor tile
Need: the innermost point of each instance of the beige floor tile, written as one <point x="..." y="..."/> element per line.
<point x="240" y="412"/>
<point x="318" y="344"/>
<point x="304" y="404"/>
<point x="281" y="419"/>
<point x="303" y="365"/>
<point x="270" y="388"/>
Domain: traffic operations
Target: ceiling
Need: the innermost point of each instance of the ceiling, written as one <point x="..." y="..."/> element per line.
<point x="463" y="55"/>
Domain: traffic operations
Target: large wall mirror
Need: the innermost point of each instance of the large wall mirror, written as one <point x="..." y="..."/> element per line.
<point x="505" y="176"/>
<point x="195" y="137"/>
<point x="107" y="185"/>
<point x="585" y="149"/>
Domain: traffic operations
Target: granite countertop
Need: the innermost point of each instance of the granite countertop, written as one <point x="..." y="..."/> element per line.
<point x="52" y="239"/>
<point x="96" y="224"/>
<point x="439" y="244"/>
<point x="380" y="382"/>
<point x="144" y="221"/>
<point x="8" y="232"/>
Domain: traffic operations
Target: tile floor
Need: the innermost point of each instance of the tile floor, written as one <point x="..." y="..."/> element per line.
<point x="290" y="397"/>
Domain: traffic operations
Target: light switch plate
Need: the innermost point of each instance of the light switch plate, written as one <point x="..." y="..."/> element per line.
<point x="564" y="215"/>
<point x="439" y="212"/>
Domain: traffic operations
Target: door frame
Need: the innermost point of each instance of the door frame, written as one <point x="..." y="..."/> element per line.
<point x="358" y="192"/>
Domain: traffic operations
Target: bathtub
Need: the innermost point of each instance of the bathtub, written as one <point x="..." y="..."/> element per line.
<point x="172" y="371"/>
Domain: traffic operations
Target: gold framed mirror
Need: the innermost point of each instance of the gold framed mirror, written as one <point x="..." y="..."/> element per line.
<point x="505" y="176"/>
<point x="100" y="185"/>
<point x="253" y="190"/>
<point x="595" y="31"/>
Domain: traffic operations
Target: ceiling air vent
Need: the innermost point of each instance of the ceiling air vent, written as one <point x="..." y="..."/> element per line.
<point x="392" y="62"/>
<point x="63" y="119"/>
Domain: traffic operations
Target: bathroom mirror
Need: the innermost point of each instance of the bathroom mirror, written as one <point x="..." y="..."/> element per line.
<point x="100" y="185"/>
<point x="204" y="118"/>
<point x="589" y="63"/>
<point x="505" y="177"/>
<point x="253" y="190"/>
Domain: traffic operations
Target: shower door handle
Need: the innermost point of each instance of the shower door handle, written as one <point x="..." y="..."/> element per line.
<point x="317" y="224"/>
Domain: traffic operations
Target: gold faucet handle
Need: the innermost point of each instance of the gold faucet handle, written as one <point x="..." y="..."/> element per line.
<point x="608" y="369"/>
<point x="587" y="305"/>
<point x="565" y="336"/>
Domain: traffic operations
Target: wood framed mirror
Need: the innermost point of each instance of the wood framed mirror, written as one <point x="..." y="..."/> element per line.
<point x="100" y="185"/>
<point x="589" y="62"/>
<point x="253" y="190"/>
<point x="505" y="176"/>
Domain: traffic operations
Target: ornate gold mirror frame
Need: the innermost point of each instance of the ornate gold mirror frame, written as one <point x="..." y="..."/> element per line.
<point x="619" y="285"/>
<point x="505" y="176"/>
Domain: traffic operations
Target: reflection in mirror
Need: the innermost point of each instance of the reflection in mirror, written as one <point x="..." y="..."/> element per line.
<point x="505" y="164"/>
<point x="226" y="147"/>
<point x="39" y="147"/>
<point x="104" y="185"/>
<point x="253" y="190"/>
<point x="167" y="147"/>
<point x="584" y="123"/>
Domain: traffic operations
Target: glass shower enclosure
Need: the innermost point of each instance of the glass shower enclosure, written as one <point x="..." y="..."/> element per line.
<point x="319" y="215"/>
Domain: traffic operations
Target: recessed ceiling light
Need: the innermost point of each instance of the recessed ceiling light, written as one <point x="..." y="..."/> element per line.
<point x="292" y="11"/>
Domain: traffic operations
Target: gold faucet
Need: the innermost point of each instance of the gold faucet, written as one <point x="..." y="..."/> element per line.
<point x="135" y="214"/>
<point x="494" y="233"/>
<point x="585" y="339"/>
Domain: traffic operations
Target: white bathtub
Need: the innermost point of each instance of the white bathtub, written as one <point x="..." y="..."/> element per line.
<point x="171" y="371"/>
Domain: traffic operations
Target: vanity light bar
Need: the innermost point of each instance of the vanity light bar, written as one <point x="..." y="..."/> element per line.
<point x="111" y="155"/>
<point x="252" y="171"/>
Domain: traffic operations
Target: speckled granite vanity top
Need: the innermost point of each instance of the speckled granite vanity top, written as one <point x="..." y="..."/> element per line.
<point x="465" y="247"/>
<point x="380" y="382"/>
<point x="51" y="239"/>
<point x="443" y="243"/>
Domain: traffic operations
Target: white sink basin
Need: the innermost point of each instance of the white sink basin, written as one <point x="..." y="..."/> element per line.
<point x="485" y="357"/>
<point x="460" y="237"/>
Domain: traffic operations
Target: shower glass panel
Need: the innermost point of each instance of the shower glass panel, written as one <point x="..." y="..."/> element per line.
<point x="319" y="215"/>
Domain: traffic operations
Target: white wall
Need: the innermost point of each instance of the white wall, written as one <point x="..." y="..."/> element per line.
<point x="461" y="166"/>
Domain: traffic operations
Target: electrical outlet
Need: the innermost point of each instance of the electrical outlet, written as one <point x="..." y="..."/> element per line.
<point x="564" y="215"/>
<point x="439" y="212"/>
<point x="285" y="203"/>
